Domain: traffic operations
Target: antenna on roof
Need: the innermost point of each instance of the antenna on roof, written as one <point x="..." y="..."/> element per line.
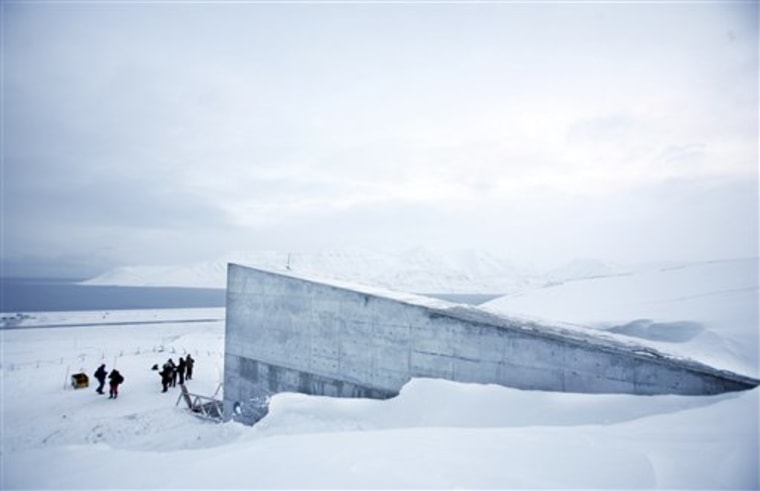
<point x="287" y="266"/>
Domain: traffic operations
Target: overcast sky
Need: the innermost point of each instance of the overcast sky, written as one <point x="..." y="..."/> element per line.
<point x="162" y="133"/>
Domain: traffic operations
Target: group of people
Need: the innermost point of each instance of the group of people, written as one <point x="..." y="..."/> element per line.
<point x="114" y="380"/>
<point x="182" y="370"/>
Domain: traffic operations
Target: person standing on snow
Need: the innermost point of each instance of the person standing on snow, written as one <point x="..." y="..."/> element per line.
<point x="100" y="375"/>
<point x="189" y="362"/>
<point x="173" y="368"/>
<point x="166" y="376"/>
<point x="181" y="370"/>
<point x="114" y="379"/>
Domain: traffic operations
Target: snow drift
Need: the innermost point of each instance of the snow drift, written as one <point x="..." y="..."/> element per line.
<point x="435" y="434"/>
<point x="706" y="310"/>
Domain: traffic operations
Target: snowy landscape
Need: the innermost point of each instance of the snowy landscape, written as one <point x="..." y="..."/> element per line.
<point x="418" y="270"/>
<point x="584" y="172"/>
<point x="435" y="434"/>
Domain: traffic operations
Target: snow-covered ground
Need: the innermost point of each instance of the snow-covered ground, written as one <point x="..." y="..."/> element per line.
<point x="435" y="434"/>
<point x="707" y="310"/>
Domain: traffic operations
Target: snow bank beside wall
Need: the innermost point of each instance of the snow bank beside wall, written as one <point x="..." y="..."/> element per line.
<point x="290" y="334"/>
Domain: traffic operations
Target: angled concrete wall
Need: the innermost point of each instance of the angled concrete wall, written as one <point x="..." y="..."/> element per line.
<point x="285" y="333"/>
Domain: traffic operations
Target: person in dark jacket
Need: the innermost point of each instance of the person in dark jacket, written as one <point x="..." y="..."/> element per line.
<point x="166" y="376"/>
<point x="189" y="362"/>
<point x="169" y="372"/>
<point x="173" y="372"/>
<point x="181" y="370"/>
<point x="114" y="380"/>
<point x="100" y="375"/>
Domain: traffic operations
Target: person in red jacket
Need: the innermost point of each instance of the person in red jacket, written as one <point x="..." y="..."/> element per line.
<point x="114" y="380"/>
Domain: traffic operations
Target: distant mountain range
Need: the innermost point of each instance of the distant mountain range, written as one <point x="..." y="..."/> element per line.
<point x="417" y="270"/>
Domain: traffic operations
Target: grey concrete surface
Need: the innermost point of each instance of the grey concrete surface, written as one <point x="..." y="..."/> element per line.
<point x="288" y="333"/>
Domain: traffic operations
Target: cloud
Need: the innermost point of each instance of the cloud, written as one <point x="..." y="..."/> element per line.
<point x="152" y="132"/>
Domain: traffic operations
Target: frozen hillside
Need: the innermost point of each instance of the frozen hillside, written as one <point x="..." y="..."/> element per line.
<point x="707" y="310"/>
<point x="435" y="434"/>
<point x="582" y="268"/>
<point x="415" y="270"/>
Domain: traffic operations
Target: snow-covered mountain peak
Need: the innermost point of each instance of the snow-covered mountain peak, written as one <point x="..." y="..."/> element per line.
<point x="416" y="270"/>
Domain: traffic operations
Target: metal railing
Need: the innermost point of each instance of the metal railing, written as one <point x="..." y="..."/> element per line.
<point x="202" y="406"/>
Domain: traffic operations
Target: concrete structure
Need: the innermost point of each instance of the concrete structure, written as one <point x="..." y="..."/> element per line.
<point x="287" y="333"/>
